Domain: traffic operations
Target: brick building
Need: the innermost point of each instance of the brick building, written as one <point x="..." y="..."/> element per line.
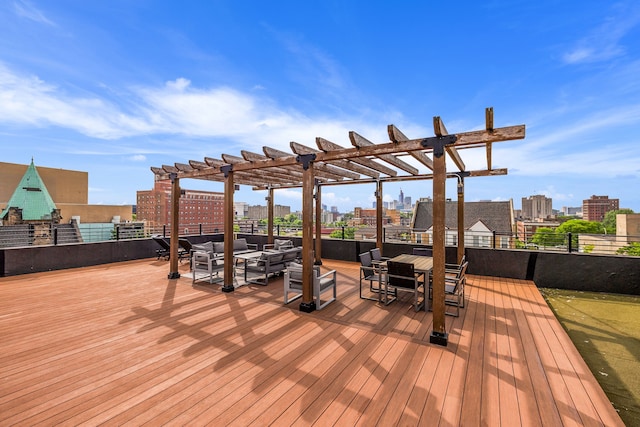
<point x="594" y="208"/>
<point x="196" y="208"/>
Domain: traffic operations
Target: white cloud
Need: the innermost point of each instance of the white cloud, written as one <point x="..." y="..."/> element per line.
<point x="138" y="158"/>
<point x="25" y="9"/>
<point x="605" y="41"/>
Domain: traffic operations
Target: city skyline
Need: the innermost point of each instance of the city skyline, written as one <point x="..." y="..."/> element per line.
<point x="114" y="88"/>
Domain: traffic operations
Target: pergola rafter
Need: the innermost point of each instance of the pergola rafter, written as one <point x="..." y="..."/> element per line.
<point x="331" y="164"/>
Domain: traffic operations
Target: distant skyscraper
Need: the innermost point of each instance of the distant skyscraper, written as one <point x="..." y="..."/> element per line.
<point x="400" y="202"/>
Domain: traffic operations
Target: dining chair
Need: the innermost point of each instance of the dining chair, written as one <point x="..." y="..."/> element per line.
<point x="369" y="272"/>
<point x="401" y="276"/>
<point x="376" y="256"/>
<point x="453" y="289"/>
<point x="422" y="251"/>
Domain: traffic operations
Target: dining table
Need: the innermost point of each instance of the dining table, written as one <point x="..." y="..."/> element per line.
<point x="421" y="264"/>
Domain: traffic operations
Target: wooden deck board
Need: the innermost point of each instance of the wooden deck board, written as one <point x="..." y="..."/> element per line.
<point x="121" y="344"/>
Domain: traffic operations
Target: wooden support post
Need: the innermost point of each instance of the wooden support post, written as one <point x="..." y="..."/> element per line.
<point x="229" y="188"/>
<point x="379" y="229"/>
<point x="439" y="334"/>
<point x="175" y="218"/>
<point x="307" y="305"/>
<point x="270" y="216"/>
<point x="318" y="241"/>
<point x="460" y="219"/>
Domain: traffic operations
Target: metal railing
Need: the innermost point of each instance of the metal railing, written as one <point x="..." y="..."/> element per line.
<point x="29" y="235"/>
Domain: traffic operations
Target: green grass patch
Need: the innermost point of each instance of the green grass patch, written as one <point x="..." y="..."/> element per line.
<point x="605" y="328"/>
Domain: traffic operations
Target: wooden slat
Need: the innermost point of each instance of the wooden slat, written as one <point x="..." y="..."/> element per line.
<point x="397" y="136"/>
<point x="333" y="167"/>
<point x="360" y="141"/>
<point x="121" y="344"/>
<point x="326" y="146"/>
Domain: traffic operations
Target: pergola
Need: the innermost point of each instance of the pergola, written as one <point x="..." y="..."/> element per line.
<point x="331" y="164"/>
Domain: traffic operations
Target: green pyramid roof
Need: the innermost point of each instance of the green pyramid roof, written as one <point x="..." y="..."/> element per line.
<point x="32" y="197"/>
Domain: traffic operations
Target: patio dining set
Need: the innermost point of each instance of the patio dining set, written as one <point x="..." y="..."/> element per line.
<point x="382" y="277"/>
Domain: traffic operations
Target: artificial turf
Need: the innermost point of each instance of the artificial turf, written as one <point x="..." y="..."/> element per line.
<point x="605" y="328"/>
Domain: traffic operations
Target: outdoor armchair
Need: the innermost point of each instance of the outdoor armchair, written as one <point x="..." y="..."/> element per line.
<point x="321" y="284"/>
<point x="205" y="266"/>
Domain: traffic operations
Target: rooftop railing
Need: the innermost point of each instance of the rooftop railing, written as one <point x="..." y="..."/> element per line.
<point x="88" y="233"/>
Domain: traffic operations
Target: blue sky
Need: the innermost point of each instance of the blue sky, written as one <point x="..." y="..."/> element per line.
<point x="114" y="87"/>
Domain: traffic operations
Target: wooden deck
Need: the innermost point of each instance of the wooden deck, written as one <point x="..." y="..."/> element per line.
<point x="121" y="344"/>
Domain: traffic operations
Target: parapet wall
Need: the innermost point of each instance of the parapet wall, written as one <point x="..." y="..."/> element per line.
<point x="586" y="272"/>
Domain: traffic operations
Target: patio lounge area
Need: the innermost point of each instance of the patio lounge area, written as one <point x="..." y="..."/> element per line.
<point x="122" y="344"/>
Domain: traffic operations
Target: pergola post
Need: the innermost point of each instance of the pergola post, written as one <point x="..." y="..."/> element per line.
<point x="318" y="241"/>
<point x="439" y="334"/>
<point x="379" y="228"/>
<point x="307" y="305"/>
<point x="270" y="215"/>
<point x="461" y="246"/>
<point x="173" y="242"/>
<point x="229" y="188"/>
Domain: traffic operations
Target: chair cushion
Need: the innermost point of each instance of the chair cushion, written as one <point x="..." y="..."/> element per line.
<point x="240" y="245"/>
<point x="326" y="282"/>
<point x="282" y="244"/>
<point x="218" y="247"/>
<point x="205" y="247"/>
<point x="289" y="254"/>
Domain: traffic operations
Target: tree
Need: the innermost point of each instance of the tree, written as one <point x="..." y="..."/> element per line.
<point x="609" y="221"/>
<point x="349" y="233"/>
<point x="633" y="249"/>
<point x="546" y="236"/>
<point x="580" y="226"/>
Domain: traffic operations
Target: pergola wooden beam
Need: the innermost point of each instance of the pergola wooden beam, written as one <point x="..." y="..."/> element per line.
<point x="361" y="142"/>
<point x="440" y="130"/>
<point x="322" y="166"/>
<point x="361" y="149"/>
<point x="326" y="146"/>
<point x="488" y="113"/>
<point x="344" y="164"/>
<point x="395" y="135"/>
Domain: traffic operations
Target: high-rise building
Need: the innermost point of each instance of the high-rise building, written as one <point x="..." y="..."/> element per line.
<point x="537" y="206"/>
<point x="594" y="208"/>
<point x="196" y="208"/>
<point x="400" y="202"/>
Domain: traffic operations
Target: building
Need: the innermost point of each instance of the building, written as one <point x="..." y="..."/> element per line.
<point x="198" y="209"/>
<point x="537" y="206"/>
<point x="241" y="209"/>
<point x="369" y="217"/>
<point x="482" y="222"/>
<point x="595" y="208"/>
<point x="260" y="211"/>
<point x="69" y="191"/>
<point x="571" y="211"/>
